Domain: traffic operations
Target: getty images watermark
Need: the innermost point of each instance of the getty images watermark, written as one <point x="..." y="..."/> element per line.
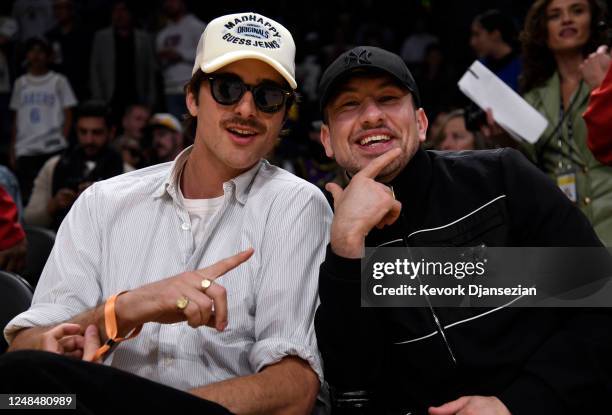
<point x="486" y="277"/>
<point x="422" y="269"/>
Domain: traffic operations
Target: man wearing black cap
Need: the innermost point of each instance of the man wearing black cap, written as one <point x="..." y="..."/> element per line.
<point x="441" y="360"/>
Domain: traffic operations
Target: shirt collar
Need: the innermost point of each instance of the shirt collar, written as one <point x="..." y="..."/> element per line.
<point x="412" y="186"/>
<point x="242" y="183"/>
<point x="239" y="185"/>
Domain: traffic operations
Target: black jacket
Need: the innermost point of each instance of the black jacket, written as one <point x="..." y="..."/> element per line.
<point x="72" y="170"/>
<point x="537" y="361"/>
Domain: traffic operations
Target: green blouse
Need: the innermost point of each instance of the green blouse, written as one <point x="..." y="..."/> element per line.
<point x="555" y="152"/>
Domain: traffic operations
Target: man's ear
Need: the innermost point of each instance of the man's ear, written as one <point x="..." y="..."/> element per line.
<point x="326" y="141"/>
<point x="192" y="105"/>
<point x="422" y="124"/>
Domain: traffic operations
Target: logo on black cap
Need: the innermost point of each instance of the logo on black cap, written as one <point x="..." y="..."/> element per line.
<point x="358" y="57"/>
<point x="368" y="58"/>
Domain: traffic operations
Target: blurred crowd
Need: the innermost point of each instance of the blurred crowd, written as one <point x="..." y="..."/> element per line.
<point x="94" y="88"/>
<point x="137" y="59"/>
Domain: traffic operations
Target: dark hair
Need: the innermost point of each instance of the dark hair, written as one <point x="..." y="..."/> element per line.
<point x="433" y="46"/>
<point x="129" y="5"/>
<point x="94" y="108"/>
<point x="132" y="107"/>
<point x="190" y="122"/>
<point x="493" y="20"/>
<point x="33" y="42"/>
<point x="538" y="61"/>
<point x="435" y="142"/>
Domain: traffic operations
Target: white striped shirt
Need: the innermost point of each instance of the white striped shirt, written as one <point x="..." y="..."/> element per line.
<point x="133" y="229"/>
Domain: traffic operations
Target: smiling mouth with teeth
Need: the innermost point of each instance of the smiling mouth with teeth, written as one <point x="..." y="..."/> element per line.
<point x="242" y="133"/>
<point x="374" y="139"/>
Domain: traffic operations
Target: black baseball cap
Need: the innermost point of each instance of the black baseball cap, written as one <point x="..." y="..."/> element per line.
<point x="366" y="58"/>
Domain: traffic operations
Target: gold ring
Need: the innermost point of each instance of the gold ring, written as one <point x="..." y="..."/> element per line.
<point x="182" y="303"/>
<point x="206" y="283"/>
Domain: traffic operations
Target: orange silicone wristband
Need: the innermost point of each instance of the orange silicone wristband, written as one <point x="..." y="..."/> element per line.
<point x="110" y="322"/>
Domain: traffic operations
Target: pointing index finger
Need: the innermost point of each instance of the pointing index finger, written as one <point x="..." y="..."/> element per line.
<point x="379" y="163"/>
<point x="225" y="265"/>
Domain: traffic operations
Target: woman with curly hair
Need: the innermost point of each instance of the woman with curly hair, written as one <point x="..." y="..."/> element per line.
<point x="557" y="37"/>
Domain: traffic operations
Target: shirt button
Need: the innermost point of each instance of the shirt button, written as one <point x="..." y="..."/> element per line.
<point x="587" y="200"/>
<point x="585" y="170"/>
<point x="185" y="226"/>
<point x="168" y="361"/>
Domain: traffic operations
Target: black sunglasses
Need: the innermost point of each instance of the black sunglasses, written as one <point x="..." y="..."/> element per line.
<point x="268" y="97"/>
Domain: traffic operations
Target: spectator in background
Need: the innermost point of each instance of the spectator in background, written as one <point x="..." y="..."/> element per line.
<point x="374" y="33"/>
<point x="176" y="46"/>
<point x="435" y="127"/>
<point x="308" y="69"/>
<point x="132" y="153"/>
<point x="42" y="101"/>
<point x="135" y="119"/>
<point x="436" y="80"/>
<point x="71" y="44"/>
<point x="454" y="136"/>
<point x="8" y="30"/>
<point x="129" y="143"/>
<point x="34" y="17"/>
<point x="63" y="178"/>
<point x="414" y="46"/>
<point x="167" y="138"/>
<point x="597" y="73"/>
<point x="312" y="163"/>
<point x="122" y="63"/>
<point x="493" y="39"/>
<point x="342" y="38"/>
<point x="10" y="184"/>
<point x="558" y="35"/>
<point x="13" y="243"/>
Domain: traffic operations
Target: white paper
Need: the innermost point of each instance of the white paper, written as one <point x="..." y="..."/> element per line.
<point x="510" y="110"/>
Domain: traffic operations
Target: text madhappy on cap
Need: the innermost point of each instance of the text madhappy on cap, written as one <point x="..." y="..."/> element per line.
<point x="252" y="30"/>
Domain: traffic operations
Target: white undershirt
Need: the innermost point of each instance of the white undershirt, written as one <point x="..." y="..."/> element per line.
<point x="201" y="212"/>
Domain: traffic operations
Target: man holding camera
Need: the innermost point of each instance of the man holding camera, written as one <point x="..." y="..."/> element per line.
<point x="65" y="176"/>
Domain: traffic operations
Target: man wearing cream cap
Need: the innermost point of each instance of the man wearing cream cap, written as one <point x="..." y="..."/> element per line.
<point x="209" y="262"/>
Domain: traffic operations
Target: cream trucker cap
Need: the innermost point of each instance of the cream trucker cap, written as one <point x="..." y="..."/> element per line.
<point x="169" y="121"/>
<point x="239" y="36"/>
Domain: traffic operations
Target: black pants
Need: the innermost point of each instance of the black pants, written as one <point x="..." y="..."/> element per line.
<point x="99" y="389"/>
